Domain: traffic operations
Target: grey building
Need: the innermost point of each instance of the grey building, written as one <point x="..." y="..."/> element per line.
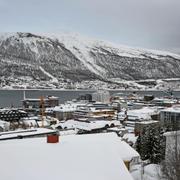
<point x="170" y="118"/>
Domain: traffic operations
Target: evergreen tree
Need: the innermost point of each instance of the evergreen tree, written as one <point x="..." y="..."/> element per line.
<point x="142" y="144"/>
<point x="138" y="144"/>
<point x="151" y="144"/>
<point x="158" y="145"/>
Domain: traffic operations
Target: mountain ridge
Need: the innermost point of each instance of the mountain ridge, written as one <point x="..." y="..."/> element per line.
<point x="63" y="60"/>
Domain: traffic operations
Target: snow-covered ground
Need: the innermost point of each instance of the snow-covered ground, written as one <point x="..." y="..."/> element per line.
<point x="28" y="83"/>
<point x="149" y="172"/>
<point x="82" y="48"/>
<point x="53" y="79"/>
<point x="71" y="40"/>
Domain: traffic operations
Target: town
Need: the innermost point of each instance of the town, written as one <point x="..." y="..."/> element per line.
<point x="89" y="90"/>
<point x="123" y="135"/>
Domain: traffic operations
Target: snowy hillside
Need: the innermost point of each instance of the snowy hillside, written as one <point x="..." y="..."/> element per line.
<point x="73" y="61"/>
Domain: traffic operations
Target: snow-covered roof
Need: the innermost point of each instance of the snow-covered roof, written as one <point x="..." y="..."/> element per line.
<point x="2" y="123"/>
<point x="25" y="133"/>
<point x="143" y="113"/>
<point x="129" y="129"/>
<point x="175" y="109"/>
<point x="147" y="122"/>
<point x="78" y="157"/>
<point x="39" y="99"/>
<point x="30" y="118"/>
<point x="115" y="129"/>
<point x="85" y="124"/>
<point x="130" y="137"/>
<point x="172" y="133"/>
<point x="65" y="108"/>
<point x="101" y="110"/>
<point x="165" y="100"/>
<point x="11" y="110"/>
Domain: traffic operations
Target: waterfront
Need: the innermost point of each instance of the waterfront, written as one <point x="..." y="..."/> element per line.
<point x="9" y="98"/>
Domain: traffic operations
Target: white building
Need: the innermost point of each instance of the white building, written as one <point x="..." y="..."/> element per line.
<point x="101" y="96"/>
<point x="131" y="117"/>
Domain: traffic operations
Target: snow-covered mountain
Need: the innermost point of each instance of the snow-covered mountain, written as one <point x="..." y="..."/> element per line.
<point x="70" y="60"/>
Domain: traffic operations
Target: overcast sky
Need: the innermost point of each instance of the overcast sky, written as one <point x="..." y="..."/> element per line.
<point x="151" y="24"/>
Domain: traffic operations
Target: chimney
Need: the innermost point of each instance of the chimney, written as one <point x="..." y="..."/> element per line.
<point x="52" y="138"/>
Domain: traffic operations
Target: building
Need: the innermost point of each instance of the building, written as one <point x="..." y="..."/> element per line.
<point x="101" y="96"/>
<point x="171" y="164"/>
<point x="172" y="142"/>
<point x="116" y="105"/>
<point x="98" y="114"/>
<point x="166" y="102"/>
<point x="36" y="103"/>
<point x="140" y="126"/>
<point x="85" y="97"/>
<point x="90" y="157"/>
<point x="12" y="115"/>
<point x="170" y="118"/>
<point x="131" y="117"/>
<point x="37" y="121"/>
<point x="65" y="111"/>
<point x="97" y="110"/>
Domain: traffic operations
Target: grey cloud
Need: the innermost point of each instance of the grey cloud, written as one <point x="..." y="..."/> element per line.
<point x="146" y="23"/>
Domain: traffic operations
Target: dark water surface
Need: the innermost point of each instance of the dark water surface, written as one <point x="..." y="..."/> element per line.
<point x="13" y="97"/>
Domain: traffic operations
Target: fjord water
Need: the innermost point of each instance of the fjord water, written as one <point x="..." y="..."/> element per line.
<point x="9" y="98"/>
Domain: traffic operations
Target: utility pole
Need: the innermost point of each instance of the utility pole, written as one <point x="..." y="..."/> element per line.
<point x="42" y="110"/>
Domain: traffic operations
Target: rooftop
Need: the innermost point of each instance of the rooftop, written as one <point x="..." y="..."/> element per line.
<point x="25" y="133"/>
<point x="172" y="133"/>
<point x="174" y="109"/>
<point x="90" y="157"/>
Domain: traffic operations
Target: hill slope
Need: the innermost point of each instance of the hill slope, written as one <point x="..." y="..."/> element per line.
<point x="67" y="60"/>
